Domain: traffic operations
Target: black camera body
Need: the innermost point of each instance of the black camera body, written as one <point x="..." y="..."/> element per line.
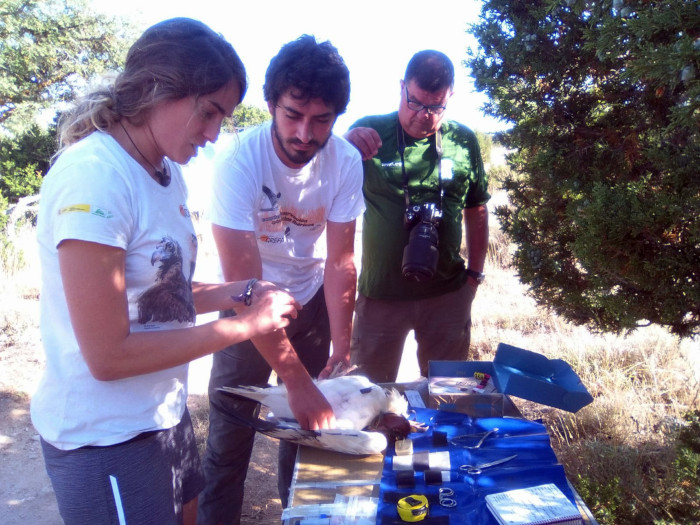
<point x="420" y="256"/>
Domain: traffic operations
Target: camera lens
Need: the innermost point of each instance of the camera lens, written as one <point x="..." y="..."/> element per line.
<point x="420" y="256"/>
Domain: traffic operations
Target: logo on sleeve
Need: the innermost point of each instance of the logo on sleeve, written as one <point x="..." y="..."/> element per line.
<point x="86" y="208"/>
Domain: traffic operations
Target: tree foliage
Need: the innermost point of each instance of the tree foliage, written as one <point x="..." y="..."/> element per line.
<point x="485" y="145"/>
<point x="604" y="98"/>
<point x="48" y="48"/>
<point x="24" y="159"/>
<point x="246" y="115"/>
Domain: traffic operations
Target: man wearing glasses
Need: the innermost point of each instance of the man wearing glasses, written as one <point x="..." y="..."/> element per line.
<point x="423" y="175"/>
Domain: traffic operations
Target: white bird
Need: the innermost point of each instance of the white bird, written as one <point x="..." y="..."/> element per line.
<point x="356" y="403"/>
<point x="358" y="442"/>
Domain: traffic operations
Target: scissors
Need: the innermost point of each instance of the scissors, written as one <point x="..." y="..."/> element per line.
<point x="476" y="469"/>
<point x="457" y="440"/>
<point x="446" y="497"/>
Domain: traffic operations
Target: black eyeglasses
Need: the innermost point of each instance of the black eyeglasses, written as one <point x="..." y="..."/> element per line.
<point x="416" y="106"/>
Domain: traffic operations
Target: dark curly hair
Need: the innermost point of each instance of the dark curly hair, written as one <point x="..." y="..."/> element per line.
<point x="310" y="70"/>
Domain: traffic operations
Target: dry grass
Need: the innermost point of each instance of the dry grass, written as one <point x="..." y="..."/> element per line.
<point x="619" y="450"/>
<point x="623" y="443"/>
<point x="19" y="313"/>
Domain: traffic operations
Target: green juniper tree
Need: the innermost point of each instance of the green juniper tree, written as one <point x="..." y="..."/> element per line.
<point x="604" y="101"/>
<point x="49" y="49"/>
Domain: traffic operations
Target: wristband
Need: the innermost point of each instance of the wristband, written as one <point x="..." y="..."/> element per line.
<point x="405" y="479"/>
<point x="247" y="296"/>
<point x="477" y="276"/>
<point x="436" y="477"/>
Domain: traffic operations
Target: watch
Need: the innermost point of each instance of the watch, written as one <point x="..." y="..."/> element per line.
<point x="477" y="276"/>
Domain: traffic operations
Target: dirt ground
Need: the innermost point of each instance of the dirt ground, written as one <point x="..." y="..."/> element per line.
<point x="25" y="490"/>
<point x="26" y="496"/>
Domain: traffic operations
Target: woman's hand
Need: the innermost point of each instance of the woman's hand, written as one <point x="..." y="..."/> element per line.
<point x="270" y="309"/>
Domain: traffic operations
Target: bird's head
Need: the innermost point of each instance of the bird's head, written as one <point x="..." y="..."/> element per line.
<point x="165" y="250"/>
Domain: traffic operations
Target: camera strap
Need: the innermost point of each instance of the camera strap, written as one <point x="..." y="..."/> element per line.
<point x="401" y="142"/>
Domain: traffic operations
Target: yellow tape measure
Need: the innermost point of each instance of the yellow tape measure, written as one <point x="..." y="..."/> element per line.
<point x="412" y="508"/>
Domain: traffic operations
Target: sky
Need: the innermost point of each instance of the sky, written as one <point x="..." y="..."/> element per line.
<point x="375" y="38"/>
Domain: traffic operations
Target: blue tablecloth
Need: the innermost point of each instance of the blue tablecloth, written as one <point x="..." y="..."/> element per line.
<point x="534" y="464"/>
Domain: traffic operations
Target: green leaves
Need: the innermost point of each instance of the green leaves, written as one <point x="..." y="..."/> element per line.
<point x="246" y="115"/>
<point x="605" y="187"/>
<point x="49" y="49"/>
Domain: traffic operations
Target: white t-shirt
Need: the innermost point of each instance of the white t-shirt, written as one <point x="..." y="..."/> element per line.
<point x="97" y="192"/>
<point x="287" y="208"/>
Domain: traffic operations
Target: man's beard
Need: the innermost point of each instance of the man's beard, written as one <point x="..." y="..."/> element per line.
<point x="297" y="157"/>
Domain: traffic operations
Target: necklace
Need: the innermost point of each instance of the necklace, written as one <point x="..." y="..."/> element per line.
<point x="162" y="175"/>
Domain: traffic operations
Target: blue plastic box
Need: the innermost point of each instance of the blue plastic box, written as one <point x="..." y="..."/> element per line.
<point x="524" y="374"/>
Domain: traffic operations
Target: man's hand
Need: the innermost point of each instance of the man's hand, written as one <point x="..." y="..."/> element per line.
<point x="366" y="140"/>
<point x="337" y="365"/>
<point x="310" y="407"/>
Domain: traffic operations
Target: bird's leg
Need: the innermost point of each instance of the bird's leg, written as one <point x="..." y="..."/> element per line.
<point x="340" y="370"/>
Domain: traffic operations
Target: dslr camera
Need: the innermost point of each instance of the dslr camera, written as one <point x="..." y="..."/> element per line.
<point x="420" y="256"/>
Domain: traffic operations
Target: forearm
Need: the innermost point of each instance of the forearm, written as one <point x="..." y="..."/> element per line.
<point x="94" y="283"/>
<point x="477" y="232"/>
<point x="145" y="352"/>
<point x="278" y="352"/>
<point x="339" y="285"/>
<point x="240" y="259"/>
<point x="212" y="297"/>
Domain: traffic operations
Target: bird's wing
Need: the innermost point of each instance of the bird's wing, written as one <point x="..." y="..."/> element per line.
<point x="357" y="442"/>
<point x="355" y="400"/>
<point x="345" y="441"/>
<point x="275" y="398"/>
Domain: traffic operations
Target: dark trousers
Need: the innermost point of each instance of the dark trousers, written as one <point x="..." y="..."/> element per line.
<point x="229" y="445"/>
<point x="442" y="327"/>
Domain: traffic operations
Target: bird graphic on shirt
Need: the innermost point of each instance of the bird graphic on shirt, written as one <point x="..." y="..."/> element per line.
<point x="273" y="198"/>
<point x="358" y="405"/>
<point x="170" y="298"/>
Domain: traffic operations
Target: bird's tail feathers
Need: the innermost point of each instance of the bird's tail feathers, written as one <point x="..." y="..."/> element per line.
<point x="398" y="404"/>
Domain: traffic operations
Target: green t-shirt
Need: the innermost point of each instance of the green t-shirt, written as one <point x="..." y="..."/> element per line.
<point x="384" y="235"/>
